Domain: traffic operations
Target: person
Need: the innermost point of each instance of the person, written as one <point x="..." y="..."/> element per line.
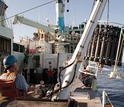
<point x="24" y="72"/>
<point x="39" y="72"/>
<point x="50" y="73"/>
<point x="11" y="73"/>
<point x="26" y="57"/>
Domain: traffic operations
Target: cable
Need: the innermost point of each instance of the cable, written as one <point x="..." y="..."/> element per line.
<point x="55" y="91"/>
<point x="108" y="12"/>
<point x="71" y="79"/>
<point x="29" y="9"/>
<point x="61" y="71"/>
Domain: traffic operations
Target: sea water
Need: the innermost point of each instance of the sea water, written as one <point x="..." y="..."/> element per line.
<point x="113" y="87"/>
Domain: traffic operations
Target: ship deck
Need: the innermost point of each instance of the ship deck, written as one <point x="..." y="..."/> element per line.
<point x="86" y="97"/>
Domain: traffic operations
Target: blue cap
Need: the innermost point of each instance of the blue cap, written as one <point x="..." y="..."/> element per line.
<point x="9" y="60"/>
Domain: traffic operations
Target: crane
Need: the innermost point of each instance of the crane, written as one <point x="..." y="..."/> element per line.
<point x="81" y="48"/>
<point x="57" y="29"/>
<point x="52" y="31"/>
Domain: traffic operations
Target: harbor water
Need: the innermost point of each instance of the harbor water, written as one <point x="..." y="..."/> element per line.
<point x="113" y="87"/>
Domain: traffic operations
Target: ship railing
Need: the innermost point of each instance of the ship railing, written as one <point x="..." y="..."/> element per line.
<point x="8" y="22"/>
<point x="106" y="102"/>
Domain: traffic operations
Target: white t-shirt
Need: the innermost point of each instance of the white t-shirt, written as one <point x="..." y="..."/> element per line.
<point x="39" y="70"/>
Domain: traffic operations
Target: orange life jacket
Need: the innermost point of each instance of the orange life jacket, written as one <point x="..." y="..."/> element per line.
<point x="8" y="88"/>
<point x="8" y="76"/>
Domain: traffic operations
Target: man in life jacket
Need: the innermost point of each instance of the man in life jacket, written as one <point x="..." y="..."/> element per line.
<point x="11" y="73"/>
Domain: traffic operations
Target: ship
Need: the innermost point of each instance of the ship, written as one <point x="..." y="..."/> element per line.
<point x="8" y="46"/>
<point x="66" y="49"/>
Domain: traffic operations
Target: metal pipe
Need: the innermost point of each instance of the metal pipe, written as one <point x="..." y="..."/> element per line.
<point x="116" y="60"/>
<point x="103" y="98"/>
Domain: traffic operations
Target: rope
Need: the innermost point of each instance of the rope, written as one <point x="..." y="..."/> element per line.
<point x="29" y="10"/>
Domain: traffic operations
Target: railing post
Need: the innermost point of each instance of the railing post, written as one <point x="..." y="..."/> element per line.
<point x="103" y="98"/>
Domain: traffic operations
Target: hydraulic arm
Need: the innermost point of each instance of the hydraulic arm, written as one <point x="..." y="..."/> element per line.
<point x="81" y="47"/>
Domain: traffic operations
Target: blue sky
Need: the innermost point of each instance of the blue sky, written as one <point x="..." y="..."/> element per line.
<point x="79" y="10"/>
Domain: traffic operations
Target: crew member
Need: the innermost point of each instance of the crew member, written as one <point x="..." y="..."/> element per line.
<point x="50" y="73"/>
<point x="39" y="72"/>
<point x="11" y="73"/>
<point x="24" y="72"/>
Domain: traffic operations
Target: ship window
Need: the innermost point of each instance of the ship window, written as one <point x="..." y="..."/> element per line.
<point x="77" y="32"/>
<point x="5" y="45"/>
<point x="15" y="47"/>
<point x="81" y="26"/>
<point x="18" y="47"/>
<point x="22" y="48"/>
